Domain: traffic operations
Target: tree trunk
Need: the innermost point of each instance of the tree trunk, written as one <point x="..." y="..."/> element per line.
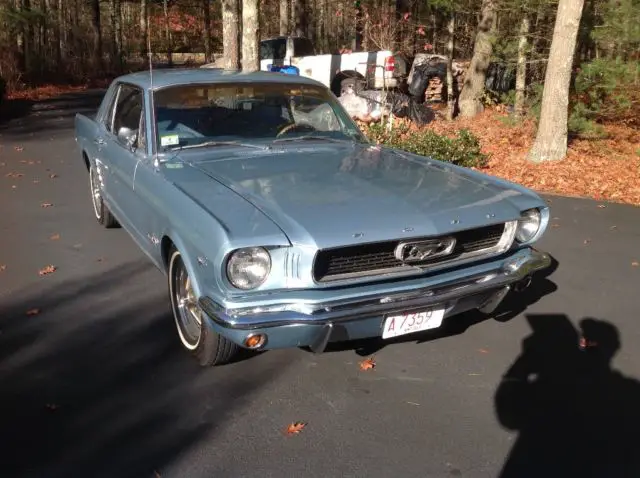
<point x="97" y="33"/>
<point x="60" y="36"/>
<point x="521" y="70"/>
<point x="299" y="18"/>
<point x="167" y="33"/>
<point x="230" y="32"/>
<point x="284" y="17"/>
<point x="551" y="138"/>
<point x="470" y="101"/>
<point x="144" y="28"/>
<point x="451" y="98"/>
<point x="116" y="28"/>
<point x="250" y="35"/>
<point x="206" y="14"/>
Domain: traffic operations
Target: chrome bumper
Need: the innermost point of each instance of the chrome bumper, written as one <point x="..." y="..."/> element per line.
<point x="488" y="282"/>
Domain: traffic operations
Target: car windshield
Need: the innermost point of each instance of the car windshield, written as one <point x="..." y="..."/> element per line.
<point x="210" y="114"/>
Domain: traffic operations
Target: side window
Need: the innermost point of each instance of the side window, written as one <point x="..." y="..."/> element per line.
<point x="128" y="112"/>
<point x="107" y="117"/>
<point x="302" y="47"/>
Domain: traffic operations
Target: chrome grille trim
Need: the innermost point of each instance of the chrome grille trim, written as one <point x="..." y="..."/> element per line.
<point x="389" y="266"/>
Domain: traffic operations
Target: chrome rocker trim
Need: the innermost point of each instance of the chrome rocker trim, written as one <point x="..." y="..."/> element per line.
<point x="510" y="270"/>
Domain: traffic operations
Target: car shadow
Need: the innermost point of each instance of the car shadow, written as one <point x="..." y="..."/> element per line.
<point x="94" y="385"/>
<point x="512" y="306"/>
<point x="574" y="414"/>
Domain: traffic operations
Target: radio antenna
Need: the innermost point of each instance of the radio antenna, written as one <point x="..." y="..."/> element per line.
<point x="156" y="162"/>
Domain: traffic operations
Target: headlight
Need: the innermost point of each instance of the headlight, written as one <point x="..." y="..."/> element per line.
<point x="528" y="225"/>
<point x="248" y="268"/>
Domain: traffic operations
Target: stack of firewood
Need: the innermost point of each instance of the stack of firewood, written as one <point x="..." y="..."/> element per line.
<point x="437" y="86"/>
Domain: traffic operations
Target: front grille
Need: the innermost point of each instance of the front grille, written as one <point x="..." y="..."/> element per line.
<point x="371" y="259"/>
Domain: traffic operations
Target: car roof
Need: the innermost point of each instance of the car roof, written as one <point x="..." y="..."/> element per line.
<point x="163" y="77"/>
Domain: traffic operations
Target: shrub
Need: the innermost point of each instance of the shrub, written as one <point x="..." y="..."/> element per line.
<point x="608" y="90"/>
<point x="463" y="150"/>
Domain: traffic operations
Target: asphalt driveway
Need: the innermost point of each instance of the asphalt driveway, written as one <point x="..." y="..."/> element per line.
<point x="93" y="382"/>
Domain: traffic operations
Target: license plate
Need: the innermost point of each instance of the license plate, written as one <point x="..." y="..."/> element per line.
<point x="409" y="323"/>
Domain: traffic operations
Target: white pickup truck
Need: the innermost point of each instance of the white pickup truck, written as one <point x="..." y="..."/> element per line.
<point x="372" y="70"/>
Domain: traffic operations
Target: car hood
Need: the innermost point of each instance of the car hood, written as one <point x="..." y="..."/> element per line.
<point x="328" y="194"/>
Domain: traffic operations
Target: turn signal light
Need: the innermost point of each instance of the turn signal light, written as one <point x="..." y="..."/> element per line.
<point x="255" y="341"/>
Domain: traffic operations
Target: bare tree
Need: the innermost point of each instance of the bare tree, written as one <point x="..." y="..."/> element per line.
<point x="230" y="33"/>
<point x="206" y="16"/>
<point x="451" y="99"/>
<point x="284" y="17"/>
<point x="470" y="101"/>
<point x="97" y="32"/>
<point x="551" y="138"/>
<point x="250" y="35"/>
<point x="521" y="70"/>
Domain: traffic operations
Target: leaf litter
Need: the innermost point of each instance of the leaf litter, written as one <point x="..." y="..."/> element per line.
<point x="368" y="364"/>
<point x="605" y="169"/>
<point x="295" y="428"/>
<point x="50" y="269"/>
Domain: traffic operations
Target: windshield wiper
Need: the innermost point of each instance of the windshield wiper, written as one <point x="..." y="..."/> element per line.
<point x="220" y="143"/>
<point x="309" y="136"/>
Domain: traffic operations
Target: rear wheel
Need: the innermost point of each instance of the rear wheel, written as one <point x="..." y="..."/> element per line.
<point x="196" y="335"/>
<point x="100" y="209"/>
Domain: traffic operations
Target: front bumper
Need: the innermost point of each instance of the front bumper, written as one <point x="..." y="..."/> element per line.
<point x="324" y="316"/>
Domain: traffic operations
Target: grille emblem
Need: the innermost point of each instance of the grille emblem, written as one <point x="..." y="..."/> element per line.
<point x="419" y="251"/>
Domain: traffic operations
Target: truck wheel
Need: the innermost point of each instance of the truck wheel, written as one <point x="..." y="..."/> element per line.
<point x="196" y="335"/>
<point x="100" y="209"/>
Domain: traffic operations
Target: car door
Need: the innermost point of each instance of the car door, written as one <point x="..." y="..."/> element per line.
<point x="123" y="158"/>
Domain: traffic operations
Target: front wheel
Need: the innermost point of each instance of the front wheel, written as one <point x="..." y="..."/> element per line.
<point x="196" y="336"/>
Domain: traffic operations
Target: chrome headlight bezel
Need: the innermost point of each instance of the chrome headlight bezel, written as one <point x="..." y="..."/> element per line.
<point x="252" y="256"/>
<point x="531" y="224"/>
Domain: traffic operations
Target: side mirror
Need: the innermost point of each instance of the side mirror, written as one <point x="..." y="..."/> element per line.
<point x="128" y="137"/>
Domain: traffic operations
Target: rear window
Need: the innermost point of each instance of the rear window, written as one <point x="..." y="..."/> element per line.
<point x="273" y="49"/>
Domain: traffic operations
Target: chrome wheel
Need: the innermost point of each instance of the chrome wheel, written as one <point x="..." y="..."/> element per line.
<point x="186" y="310"/>
<point x="96" y="197"/>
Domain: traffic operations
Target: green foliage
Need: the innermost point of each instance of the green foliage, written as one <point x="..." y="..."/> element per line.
<point x="608" y="90"/>
<point x="464" y="150"/>
<point x="619" y="31"/>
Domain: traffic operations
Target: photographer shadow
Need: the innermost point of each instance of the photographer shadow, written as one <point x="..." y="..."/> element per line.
<point x="575" y="415"/>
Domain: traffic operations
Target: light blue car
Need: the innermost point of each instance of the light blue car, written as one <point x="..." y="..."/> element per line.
<point x="278" y="224"/>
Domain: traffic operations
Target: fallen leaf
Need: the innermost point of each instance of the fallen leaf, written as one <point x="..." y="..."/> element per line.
<point x="613" y="227"/>
<point x="483" y="351"/>
<point x="23" y="161"/>
<point x="633" y="264"/>
<point x="368" y="363"/>
<point x="99" y="259"/>
<point x="601" y="206"/>
<point x="14" y="187"/>
<point x="18" y="148"/>
<point x="55" y="237"/>
<point x="2" y="267"/>
<point x="53" y="175"/>
<point x="555" y="225"/>
<point x="33" y="312"/>
<point x="50" y="269"/>
<point x="36" y="181"/>
<point x="13" y="175"/>
<point x="46" y="204"/>
<point x="295" y="427"/>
